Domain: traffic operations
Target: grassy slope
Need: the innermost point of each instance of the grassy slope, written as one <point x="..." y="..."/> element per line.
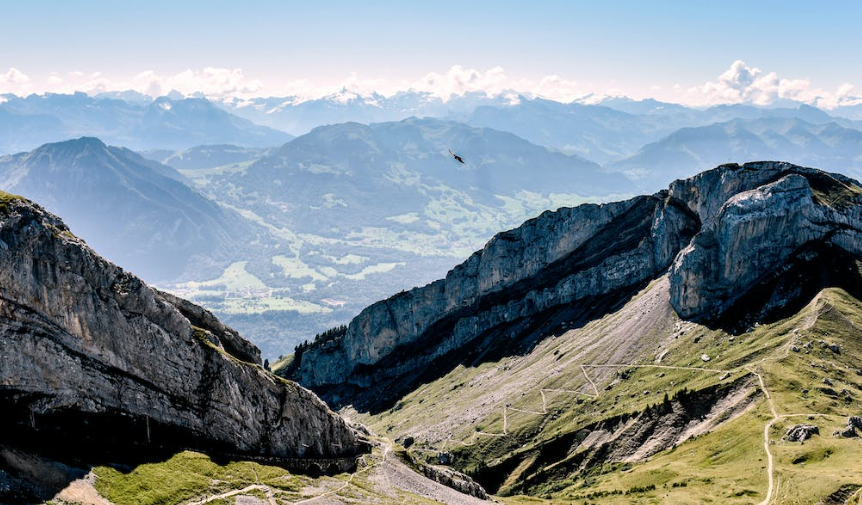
<point x="188" y="477"/>
<point x="727" y="465"/>
<point x="185" y="476"/>
<point x="6" y="199"/>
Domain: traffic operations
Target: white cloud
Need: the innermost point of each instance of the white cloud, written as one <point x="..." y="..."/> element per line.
<point x="14" y="81"/>
<point x="211" y="81"/>
<point x="552" y="87"/>
<point x="457" y="81"/>
<point x="740" y="83"/>
<point x="744" y="84"/>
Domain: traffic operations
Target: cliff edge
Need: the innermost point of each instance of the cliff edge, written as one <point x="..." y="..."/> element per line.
<point x="94" y="361"/>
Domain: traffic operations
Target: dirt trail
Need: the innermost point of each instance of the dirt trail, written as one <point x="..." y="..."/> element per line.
<point x="390" y="476"/>
<point x="809" y="322"/>
<point x="666" y="367"/>
<point x="230" y="493"/>
<point x="386" y="451"/>
<point x="395" y="476"/>
<point x="770" y="467"/>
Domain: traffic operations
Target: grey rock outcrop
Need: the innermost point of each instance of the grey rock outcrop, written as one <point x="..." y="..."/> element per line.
<point x="445" y="475"/>
<point x="755" y="232"/>
<point x="89" y="350"/>
<point x="802" y="432"/>
<point x="454" y="479"/>
<point x="718" y="234"/>
<point x="846" y="432"/>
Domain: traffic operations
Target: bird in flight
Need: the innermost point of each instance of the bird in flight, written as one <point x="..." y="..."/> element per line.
<point x="458" y="158"/>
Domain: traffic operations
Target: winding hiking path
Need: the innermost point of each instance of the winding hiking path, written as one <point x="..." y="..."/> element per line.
<point x="770" y="466"/>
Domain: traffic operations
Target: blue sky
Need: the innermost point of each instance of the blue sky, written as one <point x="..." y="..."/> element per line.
<point x="638" y="48"/>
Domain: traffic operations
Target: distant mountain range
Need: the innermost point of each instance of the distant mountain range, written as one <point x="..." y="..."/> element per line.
<point x="339" y="179"/>
<point x="826" y="145"/>
<point x="601" y="129"/>
<point x="164" y="123"/>
<point x="604" y="134"/>
<point x="596" y="132"/>
<point x="297" y="116"/>
<point x="287" y="241"/>
<point x="130" y="209"/>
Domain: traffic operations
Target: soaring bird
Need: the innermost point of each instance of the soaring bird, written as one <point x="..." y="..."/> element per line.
<point x="458" y="158"/>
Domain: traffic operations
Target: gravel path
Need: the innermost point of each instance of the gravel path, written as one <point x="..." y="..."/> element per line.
<point x="392" y="476"/>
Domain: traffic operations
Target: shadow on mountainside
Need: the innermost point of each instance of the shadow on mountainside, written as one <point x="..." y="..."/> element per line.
<point x="516" y="338"/>
<point x="786" y="290"/>
<point x="777" y="295"/>
<point x="41" y="455"/>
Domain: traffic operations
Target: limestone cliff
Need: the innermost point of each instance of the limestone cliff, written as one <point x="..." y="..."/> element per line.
<point x="721" y="234"/>
<point x="757" y="233"/>
<point x="92" y="356"/>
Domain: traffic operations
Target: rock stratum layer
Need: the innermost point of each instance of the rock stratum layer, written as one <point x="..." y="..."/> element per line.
<point x="724" y="236"/>
<point x="93" y="357"/>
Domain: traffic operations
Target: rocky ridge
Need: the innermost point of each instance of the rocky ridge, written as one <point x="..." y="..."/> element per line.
<point x="758" y="231"/>
<point x="722" y="235"/>
<point x="89" y="349"/>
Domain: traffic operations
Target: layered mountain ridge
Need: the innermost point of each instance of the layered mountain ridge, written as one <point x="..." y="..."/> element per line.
<point x="810" y="139"/>
<point x="134" y="211"/>
<point x="700" y="230"/>
<point x="166" y="122"/>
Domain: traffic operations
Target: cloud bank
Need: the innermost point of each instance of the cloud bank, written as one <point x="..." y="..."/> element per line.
<point x="744" y="84"/>
<point x="740" y="83"/>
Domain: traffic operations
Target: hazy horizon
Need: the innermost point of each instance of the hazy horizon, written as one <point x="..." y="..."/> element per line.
<point x="555" y="50"/>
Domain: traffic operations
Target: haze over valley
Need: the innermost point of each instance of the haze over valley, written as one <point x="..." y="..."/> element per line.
<point x="318" y="241"/>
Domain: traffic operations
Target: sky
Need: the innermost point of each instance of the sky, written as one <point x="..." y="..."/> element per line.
<point x="694" y="52"/>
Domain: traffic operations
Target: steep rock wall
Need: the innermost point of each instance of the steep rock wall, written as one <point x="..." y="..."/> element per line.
<point x="90" y="352"/>
<point x="720" y="232"/>
<point x="556" y="259"/>
<point x="756" y="232"/>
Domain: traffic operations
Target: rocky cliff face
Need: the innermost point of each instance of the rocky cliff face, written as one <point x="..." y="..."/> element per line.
<point x="720" y="233"/>
<point x="92" y="356"/>
<point x="559" y="258"/>
<point x="758" y="232"/>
